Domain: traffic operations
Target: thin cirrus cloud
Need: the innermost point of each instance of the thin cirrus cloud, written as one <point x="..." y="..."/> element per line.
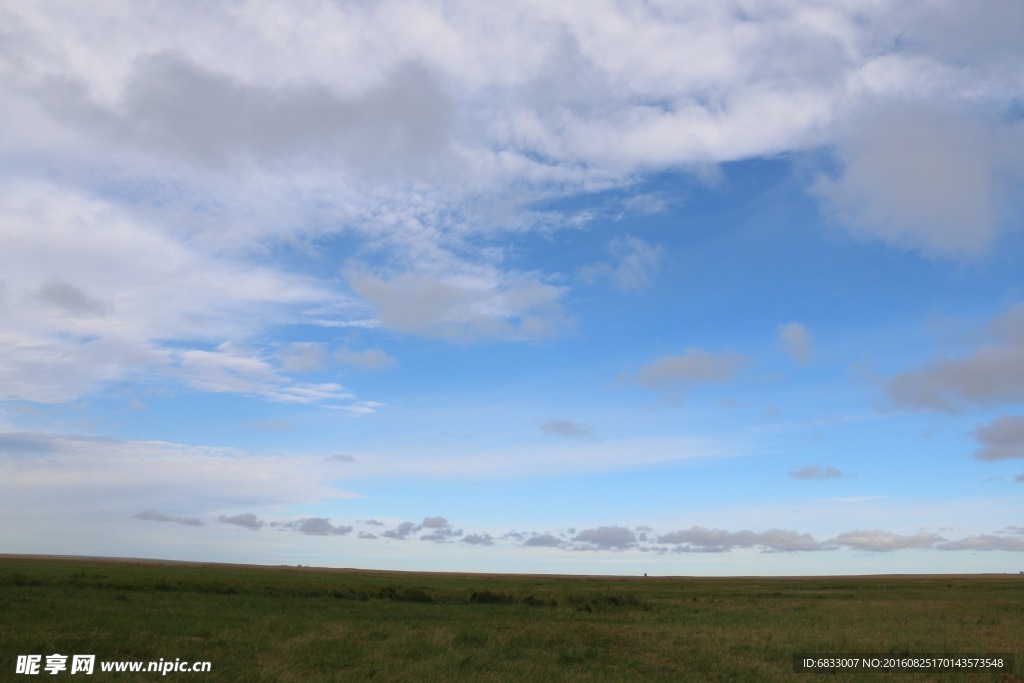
<point x="567" y="428"/>
<point x="814" y="471"/>
<point x="690" y="368"/>
<point x="634" y="265"/>
<point x="75" y="472"/>
<point x="367" y="359"/>
<point x="796" y="340"/>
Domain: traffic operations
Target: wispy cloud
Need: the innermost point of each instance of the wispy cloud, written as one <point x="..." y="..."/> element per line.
<point x="796" y="340"/>
<point x="634" y="264"/>
<point x="815" y="472"/>
<point x="690" y="368"/>
<point x="566" y="428"/>
<point x="153" y="516"/>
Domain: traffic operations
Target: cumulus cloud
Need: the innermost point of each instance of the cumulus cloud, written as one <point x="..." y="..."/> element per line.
<point x="402" y="531"/>
<point x="634" y="264"/>
<point x="566" y="428"/>
<point x="877" y="540"/>
<point x="924" y="177"/>
<point x="991" y="375"/>
<point x="796" y="340"/>
<point x="153" y="516"/>
<point x="478" y="539"/>
<point x="690" y="368"/>
<point x="1000" y="439"/>
<point x="317" y="526"/>
<point x="247" y="520"/>
<point x="815" y="472"/>
<point x="605" y="538"/>
<point x="701" y="539"/>
<point x="345" y="457"/>
<point x="543" y="541"/>
<point x="172" y="105"/>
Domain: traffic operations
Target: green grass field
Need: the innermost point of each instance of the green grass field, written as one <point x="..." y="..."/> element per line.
<point x="288" y="624"/>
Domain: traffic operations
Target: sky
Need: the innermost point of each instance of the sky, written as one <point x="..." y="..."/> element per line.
<point x="677" y="288"/>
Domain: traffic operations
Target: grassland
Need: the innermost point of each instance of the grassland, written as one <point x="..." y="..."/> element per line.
<point x="278" y="624"/>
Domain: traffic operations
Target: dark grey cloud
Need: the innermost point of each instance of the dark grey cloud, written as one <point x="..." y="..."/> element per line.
<point x="701" y="539"/>
<point x="317" y="526"/>
<point x="566" y="428"/>
<point x="1000" y="439"/>
<point x="816" y="472"/>
<point x="374" y="522"/>
<point x="153" y="516"/>
<point x="366" y="534"/>
<point x="247" y="520"/>
<point x="172" y="105"/>
<point x="883" y="541"/>
<point x="606" y="538"/>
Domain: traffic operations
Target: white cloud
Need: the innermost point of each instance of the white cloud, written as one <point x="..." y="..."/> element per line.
<point x="229" y="369"/>
<point x="93" y="293"/>
<point x="796" y="340"/>
<point x="634" y="267"/>
<point x="67" y="472"/>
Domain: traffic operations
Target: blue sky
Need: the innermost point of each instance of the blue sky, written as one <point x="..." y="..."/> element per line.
<point x="667" y="288"/>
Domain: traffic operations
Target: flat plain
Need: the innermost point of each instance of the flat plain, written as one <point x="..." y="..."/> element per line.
<point x="282" y="624"/>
